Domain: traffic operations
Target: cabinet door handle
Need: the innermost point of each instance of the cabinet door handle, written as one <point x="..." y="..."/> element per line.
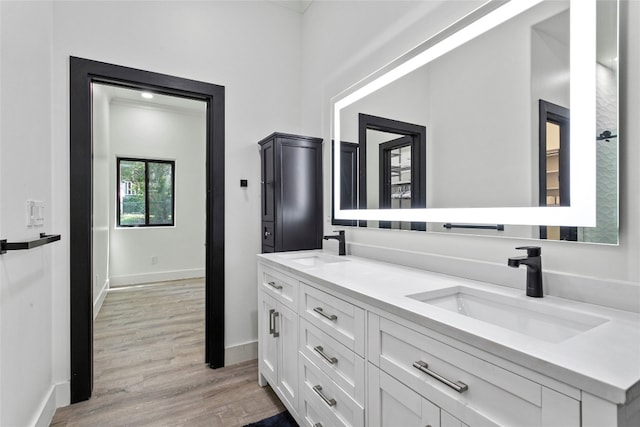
<point x="274" y="286"/>
<point x="318" y="390"/>
<point x="458" y="386"/>
<point x="272" y="327"/>
<point x="321" y="352"/>
<point x="267" y="234"/>
<point x="276" y="334"/>
<point x="321" y="312"/>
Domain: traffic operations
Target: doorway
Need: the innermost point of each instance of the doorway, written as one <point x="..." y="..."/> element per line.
<point x="83" y="73"/>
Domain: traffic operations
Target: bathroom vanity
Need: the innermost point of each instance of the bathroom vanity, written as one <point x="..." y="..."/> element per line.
<point x="347" y="341"/>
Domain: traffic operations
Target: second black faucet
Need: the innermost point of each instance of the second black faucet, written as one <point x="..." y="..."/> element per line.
<point x="533" y="261"/>
<point x="342" y="247"/>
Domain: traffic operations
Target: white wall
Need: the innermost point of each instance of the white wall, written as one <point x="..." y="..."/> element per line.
<point x="26" y="277"/>
<point x="366" y="48"/>
<point x="251" y="48"/>
<point x="150" y="254"/>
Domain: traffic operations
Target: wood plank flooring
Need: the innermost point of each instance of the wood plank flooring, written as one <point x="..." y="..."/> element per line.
<point x="149" y="366"/>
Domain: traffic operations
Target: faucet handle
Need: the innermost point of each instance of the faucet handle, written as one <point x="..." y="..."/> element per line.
<point x="531" y="250"/>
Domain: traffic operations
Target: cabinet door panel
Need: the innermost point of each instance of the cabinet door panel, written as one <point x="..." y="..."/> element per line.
<point x="288" y="363"/>
<point x="391" y="403"/>
<point x="268" y="344"/>
<point x="267" y="172"/>
<point x="299" y="204"/>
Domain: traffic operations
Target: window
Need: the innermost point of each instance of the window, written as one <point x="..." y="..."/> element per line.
<point x="145" y="192"/>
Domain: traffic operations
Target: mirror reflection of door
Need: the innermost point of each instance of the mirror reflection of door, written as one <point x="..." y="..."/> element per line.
<point x="395" y="178"/>
<point x="554" y="166"/>
<point x="392" y="168"/>
<point x="348" y="180"/>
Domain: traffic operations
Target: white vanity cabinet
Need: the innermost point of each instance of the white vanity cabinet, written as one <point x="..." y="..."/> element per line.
<point x="336" y="357"/>
<point x="278" y="335"/>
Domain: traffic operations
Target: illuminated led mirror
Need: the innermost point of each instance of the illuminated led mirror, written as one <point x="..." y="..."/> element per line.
<point x="495" y="207"/>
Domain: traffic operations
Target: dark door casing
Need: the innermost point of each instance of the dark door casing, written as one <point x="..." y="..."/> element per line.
<point x="83" y="73"/>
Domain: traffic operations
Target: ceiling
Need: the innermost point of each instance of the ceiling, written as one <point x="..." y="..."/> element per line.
<point x="134" y="96"/>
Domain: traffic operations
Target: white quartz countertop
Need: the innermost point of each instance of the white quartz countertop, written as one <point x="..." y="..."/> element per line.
<point x="603" y="360"/>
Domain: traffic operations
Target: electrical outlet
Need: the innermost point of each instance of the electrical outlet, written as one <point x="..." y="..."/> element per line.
<point x="154" y="260"/>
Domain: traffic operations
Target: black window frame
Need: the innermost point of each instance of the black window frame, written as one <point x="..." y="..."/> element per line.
<point x="146" y="193"/>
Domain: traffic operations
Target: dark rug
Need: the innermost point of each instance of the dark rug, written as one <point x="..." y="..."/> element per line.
<point x="283" y="419"/>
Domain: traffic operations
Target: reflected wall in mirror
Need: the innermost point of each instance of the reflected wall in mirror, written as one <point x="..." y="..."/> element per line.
<point x="480" y="105"/>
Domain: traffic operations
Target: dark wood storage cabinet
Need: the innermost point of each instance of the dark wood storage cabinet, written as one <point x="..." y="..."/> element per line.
<point x="291" y="172"/>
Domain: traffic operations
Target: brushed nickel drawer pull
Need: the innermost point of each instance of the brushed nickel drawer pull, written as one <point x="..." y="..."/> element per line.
<point x="456" y="385"/>
<point x="276" y="334"/>
<point x="272" y="327"/>
<point x="331" y="317"/>
<point x="318" y="390"/>
<point x="321" y="352"/>
<point x="273" y="285"/>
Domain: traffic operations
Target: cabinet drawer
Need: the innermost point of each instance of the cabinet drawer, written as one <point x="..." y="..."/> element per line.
<point x="342" y="365"/>
<point x="280" y="286"/>
<point x="341" y="320"/>
<point x="493" y="395"/>
<point x="324" y="395"/>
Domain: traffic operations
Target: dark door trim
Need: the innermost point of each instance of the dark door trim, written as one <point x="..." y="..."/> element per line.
<point x="348" y="180"/>
<point x="418" y="135"/>
<point x="82" y="73"/>
<point x="550" y="112"/>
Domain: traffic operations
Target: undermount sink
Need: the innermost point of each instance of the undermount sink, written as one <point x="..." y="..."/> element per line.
<point x="314" y="260"/>
<point x="532" y="318"/>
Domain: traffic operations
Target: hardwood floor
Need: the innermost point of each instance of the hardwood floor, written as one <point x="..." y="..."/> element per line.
<point x="149" y="366"/>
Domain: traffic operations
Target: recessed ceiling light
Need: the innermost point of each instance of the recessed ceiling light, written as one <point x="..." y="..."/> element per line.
<point x="147" y="95"/>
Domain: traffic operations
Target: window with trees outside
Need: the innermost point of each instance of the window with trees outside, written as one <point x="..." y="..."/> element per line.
<point x="145" y="192"/>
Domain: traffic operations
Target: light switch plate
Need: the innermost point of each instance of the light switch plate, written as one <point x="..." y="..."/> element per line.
<point x="35" y="213"/>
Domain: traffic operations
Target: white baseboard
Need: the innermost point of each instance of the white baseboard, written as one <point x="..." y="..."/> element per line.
<point x="240" y="353"/>
<point x="97" y="304"/>
<point x="161" y="276"/>
<point x="57" y="396"/>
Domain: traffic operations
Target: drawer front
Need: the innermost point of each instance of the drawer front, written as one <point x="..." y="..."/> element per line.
<point x="342" y="365"/>
<point x="337" y="318"/>
<point x="493" y="396"/>
<point x="391" y="403"/>
<point x="314" y="414"/>
<point x="280" y="286"/>
<point x="325" y="395"/>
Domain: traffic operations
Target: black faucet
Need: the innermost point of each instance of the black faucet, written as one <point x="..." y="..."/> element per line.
<point x="533" y="261"/>
<point x="341" y="243"/>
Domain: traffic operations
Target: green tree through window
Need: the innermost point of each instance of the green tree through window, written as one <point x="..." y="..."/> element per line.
<point x="145" y="192"/>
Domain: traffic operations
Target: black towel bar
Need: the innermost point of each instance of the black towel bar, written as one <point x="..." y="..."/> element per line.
<point x="43" y="240"/>
<point x="499" y="227"/>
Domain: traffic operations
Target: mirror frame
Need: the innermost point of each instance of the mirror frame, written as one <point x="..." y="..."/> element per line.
<point x="582" y="211"/>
